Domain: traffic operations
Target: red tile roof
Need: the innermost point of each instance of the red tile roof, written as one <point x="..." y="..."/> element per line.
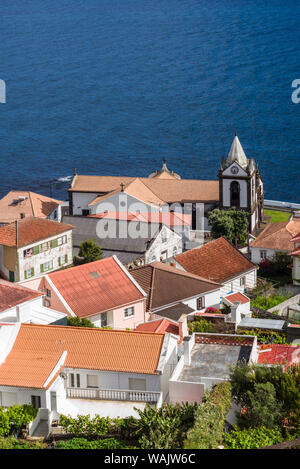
<point x="167" y="218"/>
<point x="12" y="295"/>
<point x="96" y="287"/>
<point x="277" y="354"/>
<point x="161" y="326"/>
<point x="29" y="230"/>
<point x="15" y="203"/>
<point x="278" y="235"/>
<point x="217" y="260"/>
<point x="37" y="350"/>
<point x="237" y="297"/>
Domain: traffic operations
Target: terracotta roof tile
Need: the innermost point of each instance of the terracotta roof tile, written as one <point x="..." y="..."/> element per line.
<point x="167" y="190"/>
<point x="278" y="235"/>
<point x="29" y="203"/>
<point x="37" y="349"/>
<point x="278" y="354"/>
<point x="29" y="230"/>
<point x="96" y="287"/>
<point x="167" y="218"/>
<point x="165" y="285"/>
<point x="237" y="297"/>
<point x="161" y="326"/>
<point x="217" y="260"/>
<point x="12" y="295"/>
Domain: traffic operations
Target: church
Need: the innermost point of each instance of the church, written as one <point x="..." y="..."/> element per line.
<point x="239" y="185"/>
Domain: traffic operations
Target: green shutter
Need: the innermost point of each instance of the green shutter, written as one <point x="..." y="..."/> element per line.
<point x="42" y="268"/>
<point x="54" y="243"/>
<point x="59" y="261"/>
<point x="36" y="250"/>
<point x="66" y="258"/>
<point x="32" y="271"/>
<point x="25" y="274"/>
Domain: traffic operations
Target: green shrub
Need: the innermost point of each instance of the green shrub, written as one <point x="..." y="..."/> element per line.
<point x="201" y="325"/>
<point x="164" y="427"/>
<point x="207" y="432"/>
<point x="265" y="336"/>
<point x="83" y="443"/>
<point x="286" y="383"/>
<point x="76" y="321"/>
<point x="14" y="418"/>
<point x="85" y="425"/>
<point x="11" y="443"/>
<point x="269" y="302"/>
<point x="252" y="438"/>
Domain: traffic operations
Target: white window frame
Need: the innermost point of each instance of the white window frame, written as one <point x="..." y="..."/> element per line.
<point x="263" y="254"/>
<point x="126" y="312"/>
<point x="92" y="377"/>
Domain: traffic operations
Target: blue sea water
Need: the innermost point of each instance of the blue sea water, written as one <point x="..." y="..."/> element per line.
<point x="113" y="86"/>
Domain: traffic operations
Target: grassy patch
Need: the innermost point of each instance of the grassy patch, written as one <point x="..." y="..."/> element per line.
<point x="277" y="216"/>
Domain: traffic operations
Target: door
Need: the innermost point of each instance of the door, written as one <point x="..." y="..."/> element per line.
<point x="11" y="276"/>
<point x="36" y="401"/>
<point x="53" y="400"/>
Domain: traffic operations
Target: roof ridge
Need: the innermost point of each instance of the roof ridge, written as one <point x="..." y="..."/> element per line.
<point x="186" y="273"/>
<point x="86" y="329"/>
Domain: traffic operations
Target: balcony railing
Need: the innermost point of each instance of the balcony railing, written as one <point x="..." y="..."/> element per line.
<point x="113" y="395"/>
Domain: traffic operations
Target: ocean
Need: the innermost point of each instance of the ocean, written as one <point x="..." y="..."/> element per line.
<point x="111" y="87"/>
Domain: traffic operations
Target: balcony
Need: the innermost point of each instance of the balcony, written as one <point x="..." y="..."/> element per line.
<point x="150" y="397"/>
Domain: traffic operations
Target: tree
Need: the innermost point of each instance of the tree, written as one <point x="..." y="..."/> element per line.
<point x="76" y="321"/>
<point x="264" y="408"/>
<point x="231" y="224"/>
<point x="89" y="251"/>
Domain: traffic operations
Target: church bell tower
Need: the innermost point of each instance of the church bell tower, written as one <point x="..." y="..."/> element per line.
<point x="240" y="185"/>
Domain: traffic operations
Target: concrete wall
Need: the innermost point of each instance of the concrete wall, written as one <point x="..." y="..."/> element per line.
<point x="183" y="391"/>
<point x="283" y="307"/>
<point x="234" y="285"/>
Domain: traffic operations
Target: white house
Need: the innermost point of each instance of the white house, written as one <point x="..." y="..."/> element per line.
<point x="71" y="370"/>
<point x="172" y="292"/>
<point x="219" y="261"/>
<point x="32" y="246"/>
<point x="276" y="237"/>
<point x="102" y="291"/>
<point x="22" y="204"/>
<point x="296" y="259"/>
<point x="21" y="304"/>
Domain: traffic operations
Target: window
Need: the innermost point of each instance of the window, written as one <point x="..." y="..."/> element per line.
<point x="85" y="213"/>
<point x="28" y="252"/>
<point x="45" y="246"/>
<point x="103" y="319"/>
<point x="263" y="254"/>
<point x="63" y="260"/>
<point x="78" y="380"/>
<point x="201" y="302"/>
<point x="92" y="381"/>
<point x="47" y="266"/>
<point x="36" y="401"/>
<point x="28" y="273"/>
<point x="136" y="384"/>
<point x="242" y="281"/>
<point x="174" y="251"/>
<point x="129" y="312"/>
<point x="48" y="293"/>
<point x="72" y="380"/>
<point x="62" y="240"/>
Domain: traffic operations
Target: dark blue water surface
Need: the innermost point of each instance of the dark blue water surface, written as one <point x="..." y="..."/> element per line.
<point x="113" y="86"/>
